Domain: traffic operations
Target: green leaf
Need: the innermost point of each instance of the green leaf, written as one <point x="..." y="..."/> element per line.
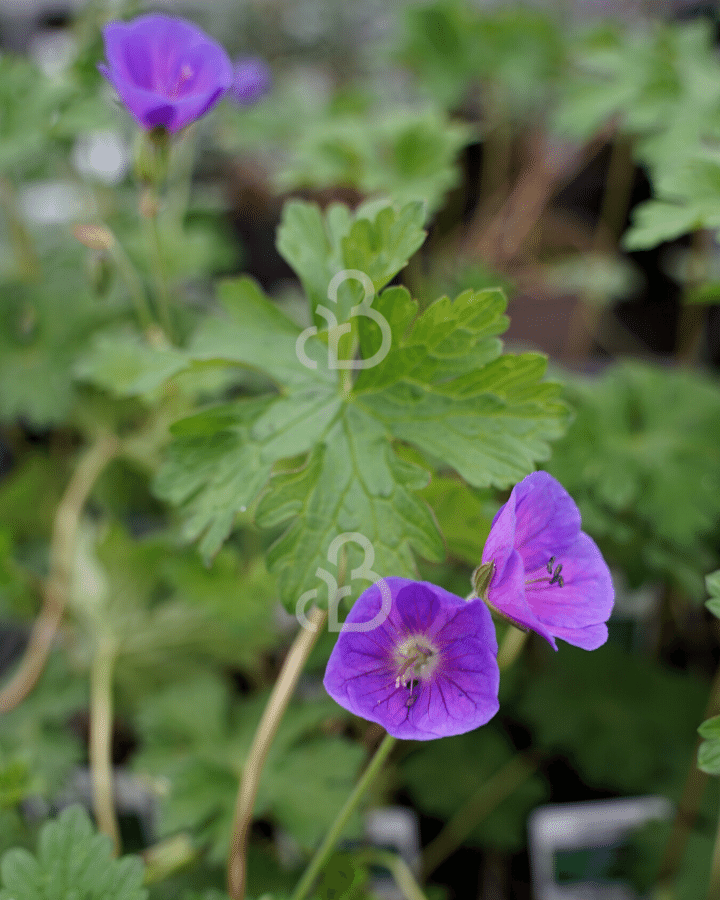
<point x="709" y="750"/>
<point x="353" y="485"/>
<point x="127" y="366"/>
<point x="444" y="384"/>
<point x="375" y="241"/>
<point x="222" y="459"/>
<point x="626" y="723"/>
<point x="305" y="780"/>
<point x="642" y="461"/>
<point x="72" y="861"/>
<point x="712" y="585"/>
<point x="656" y="221"/>
<point x="467" y="762"/>
<point x="256" y="334"/>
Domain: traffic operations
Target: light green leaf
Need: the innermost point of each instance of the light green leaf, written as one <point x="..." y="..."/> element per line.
<point x="712" y="585"/>
<point x="353" y="485"/>
<point x="127" y="366"/>
<point x="376" y="240"/>
<point x="709" y="750"/>
<point x="256" y="334"/>
<point x="72" y="861"/>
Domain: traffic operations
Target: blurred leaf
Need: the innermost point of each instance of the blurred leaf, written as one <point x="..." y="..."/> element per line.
<point x="36" y="737"/>
<point x="642" y="461"/>
<point x="402" y="153"/>
<point x="466" y="763"/>
<point x="463" y="514"/>
<point x="72" y="861"/>
<point x="126" y="365"/>
<point x="627" y="724"/>
<point x="712" y="584"/>
<point x="304" y="782"/>
<point x="709" y="750"/>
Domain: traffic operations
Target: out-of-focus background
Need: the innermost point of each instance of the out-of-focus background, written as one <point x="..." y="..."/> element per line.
<point x="568" y="152"/>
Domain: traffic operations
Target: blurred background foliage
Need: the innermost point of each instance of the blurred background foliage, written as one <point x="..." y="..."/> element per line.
<point x="573" y="162"/>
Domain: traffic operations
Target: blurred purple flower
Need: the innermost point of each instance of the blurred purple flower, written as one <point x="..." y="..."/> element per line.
<point x="167" y="71"/>
<point x="428" y="670"/>
<point x="542" y="572"/>
<point x="251" y="81"/>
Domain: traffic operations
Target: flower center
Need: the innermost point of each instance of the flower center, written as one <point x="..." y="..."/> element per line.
<point x="553" y="574"/>
<point x="416" y="659"/>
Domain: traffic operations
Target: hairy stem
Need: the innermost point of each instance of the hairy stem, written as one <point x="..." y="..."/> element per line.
<point x="57" y="586"/>
<point x="506" y="780"/>
<point x="101" y="729"/>
<point x="336" y="829"/>
<point x="264" y="736"/>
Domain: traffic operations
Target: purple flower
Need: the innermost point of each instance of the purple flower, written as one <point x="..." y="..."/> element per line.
<point x="428" y="669"/>
<point x="166" y="70"/>
<point x="541" y="572"/>
<point x="251" y="81"/>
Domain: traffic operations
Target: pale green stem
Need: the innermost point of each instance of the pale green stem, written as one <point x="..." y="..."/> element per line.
<point x="57" y="585"/>
<point x="101" y="728"/>
<point x="133" y="284"/>
<point x="336" y="829"/>
<point x="399" y="870"/>
<point x="511" y="647"/>
<point x="162" y="287"/>
<point x="163" y="859"/>
<point x="506" y="780"/>
<point x="264" y="736"/>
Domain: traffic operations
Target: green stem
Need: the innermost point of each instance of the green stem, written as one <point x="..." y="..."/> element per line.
<point x="336" y="829"/>
<point x="262" y="741"/>
<point x="150" y="207"/>
<point x="399" y="870"/>
<point x="506" y="780"/>
<point x="511" y="647"/>
<point x="57" y="585"/>
<point x="101" y="726"/>
<point x="133" y="284"/>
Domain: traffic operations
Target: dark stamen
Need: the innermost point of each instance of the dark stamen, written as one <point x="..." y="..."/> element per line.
<point x="557" y="577"/>
<point x="550" y="565"/>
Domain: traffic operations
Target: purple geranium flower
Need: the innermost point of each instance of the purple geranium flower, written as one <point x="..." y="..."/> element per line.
<point x="427" y="670"/>
<point x="166" y="70"/>
<point x="251" y="81"/>
<point x="541" y="571"/>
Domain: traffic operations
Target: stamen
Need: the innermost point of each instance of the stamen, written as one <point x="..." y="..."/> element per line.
<point x="556" y="577"/>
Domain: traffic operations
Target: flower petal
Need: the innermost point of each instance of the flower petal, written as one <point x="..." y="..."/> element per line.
<point x="587" y="595"/>
<point x="507" y="596"/>
<point x="458" y="696"/>
<point x="547" y="520"/>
